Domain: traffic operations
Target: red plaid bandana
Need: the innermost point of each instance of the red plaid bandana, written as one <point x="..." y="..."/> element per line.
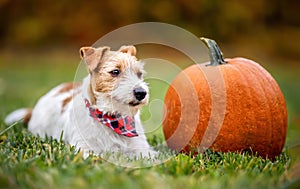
<point x="119" y="124"/>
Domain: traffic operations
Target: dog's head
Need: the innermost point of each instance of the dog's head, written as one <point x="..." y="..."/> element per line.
<point x="116" y="78"/>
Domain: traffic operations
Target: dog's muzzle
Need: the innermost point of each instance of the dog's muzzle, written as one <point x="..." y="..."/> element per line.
<point x="139" y="93"/>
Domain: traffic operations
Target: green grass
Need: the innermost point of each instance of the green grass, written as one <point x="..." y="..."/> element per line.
<point x="30" y="162"/>
<point x="27" y="161"/>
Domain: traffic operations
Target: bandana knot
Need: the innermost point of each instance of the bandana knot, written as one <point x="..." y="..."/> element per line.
<point x="118" y="123"/>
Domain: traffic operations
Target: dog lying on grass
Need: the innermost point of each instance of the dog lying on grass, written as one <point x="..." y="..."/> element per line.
<point x="99" y="115"/>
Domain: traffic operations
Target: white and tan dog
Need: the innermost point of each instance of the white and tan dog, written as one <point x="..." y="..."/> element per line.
<point x="101" y="114"/>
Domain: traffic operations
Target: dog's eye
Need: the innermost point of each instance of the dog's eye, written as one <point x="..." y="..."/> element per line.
<point x="139" y="74"/>
<point x="115" y="73"/>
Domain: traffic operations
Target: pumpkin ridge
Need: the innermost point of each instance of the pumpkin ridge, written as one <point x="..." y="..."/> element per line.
<point x="217" y="92"/>
<point x="272" y="115"/>
<point x="242" y="100"/>
<point x="265" y="88"/>
<point x="249" y="99"/>
<point x="257" y="81"/>
<point x="276" y="114"/>
<point x="180" y="103"/>
<point x="205" y="104"/>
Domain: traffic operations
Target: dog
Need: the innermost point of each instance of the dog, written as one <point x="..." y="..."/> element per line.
<point x="100" y="114"/>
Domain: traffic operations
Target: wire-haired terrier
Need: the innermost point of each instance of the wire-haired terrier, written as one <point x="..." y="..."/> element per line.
<point x="101" y="114"/>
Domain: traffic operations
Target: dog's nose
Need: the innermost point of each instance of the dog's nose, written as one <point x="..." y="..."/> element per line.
<point x="139" y="93"/>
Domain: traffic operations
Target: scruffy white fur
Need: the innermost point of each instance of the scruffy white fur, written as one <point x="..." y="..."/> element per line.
<point x="63" y="108"/>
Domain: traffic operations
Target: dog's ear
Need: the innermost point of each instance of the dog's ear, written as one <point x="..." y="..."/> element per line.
<point x="86" y="51"/>
<point x="128" y="49"/>
<point x="92" y="56"/>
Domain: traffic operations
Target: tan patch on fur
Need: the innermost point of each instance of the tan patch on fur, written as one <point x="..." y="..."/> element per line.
<point x="28" y="116"/>
<point x="101" y="79"/>
<point x="66" y="101"/>
<point x="103" y="82"/>
<point x="66" y="88"/>
<point x="93" y="56"/>
<point x="69" y="86"/>
<point x="128" y="49"/>
<point x="92" y="95"/>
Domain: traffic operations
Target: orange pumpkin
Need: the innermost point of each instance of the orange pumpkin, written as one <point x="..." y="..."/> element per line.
<point x="225" y="105"/>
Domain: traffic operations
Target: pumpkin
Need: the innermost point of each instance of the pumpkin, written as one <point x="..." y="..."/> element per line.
<point x="225" y="105"/>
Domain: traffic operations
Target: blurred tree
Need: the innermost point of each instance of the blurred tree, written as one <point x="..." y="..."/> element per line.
<point x="34" y="23"/>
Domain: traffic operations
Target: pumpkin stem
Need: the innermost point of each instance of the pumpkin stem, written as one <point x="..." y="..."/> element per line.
<point x="216" y="56"/>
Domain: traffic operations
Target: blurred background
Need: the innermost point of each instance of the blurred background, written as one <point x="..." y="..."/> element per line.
<point x="272" y="26"/>
<point x="40" y="39"/>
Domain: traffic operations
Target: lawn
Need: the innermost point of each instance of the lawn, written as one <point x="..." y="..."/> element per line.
<point x="31" y="162"/>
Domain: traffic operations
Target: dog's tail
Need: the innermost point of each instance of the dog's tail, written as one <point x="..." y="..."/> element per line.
<point x="22" y="115"/>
